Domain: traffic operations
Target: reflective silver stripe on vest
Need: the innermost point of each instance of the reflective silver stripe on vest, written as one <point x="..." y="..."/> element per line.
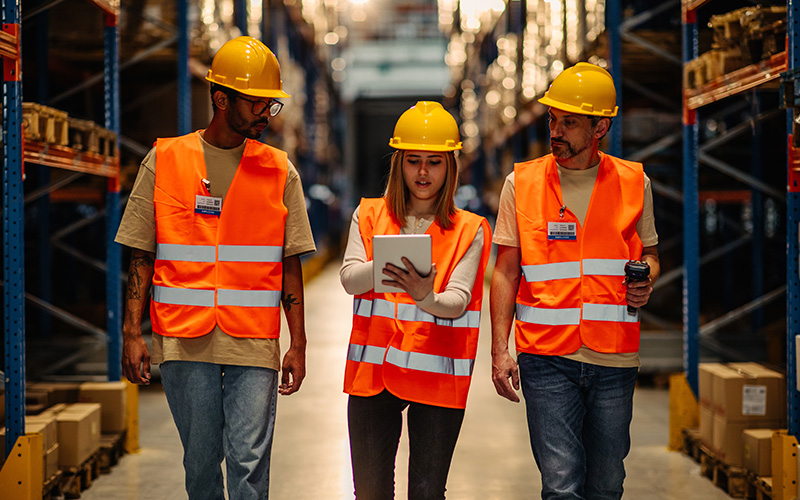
<point x="554" y="271"/>
<point x="410" y="312"/>
<point x="430" y="363"/>
<point x="470" y="319"/>
<point x="366" y="354"/>
<point x="186" y="253"/>
<point x="609" y="312"/>
<point x="604" y="267"/>
<point x="362" y="307"/>
<point x="554" y="317"/>
<point x="383" y="308"/>
<point x="248" y="298"/>
<point x="250" y="253"/>
<point x="183" y="296"/>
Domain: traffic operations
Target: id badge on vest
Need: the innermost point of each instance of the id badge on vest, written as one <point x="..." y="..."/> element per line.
<point x="209" y="205"/>
<point x="562" y="231"/>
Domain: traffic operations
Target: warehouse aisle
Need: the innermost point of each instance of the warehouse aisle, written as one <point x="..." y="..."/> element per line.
<point x="310" y="459"/>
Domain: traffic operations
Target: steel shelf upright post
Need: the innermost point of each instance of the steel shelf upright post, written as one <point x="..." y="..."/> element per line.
<point x="792" y="221"/>
<point x="613" y="21"/>
<point x="184" y="82"/>
<point x="13" y="228"/>
<point x="113" y="250"/>
<point x="691" y="222"/>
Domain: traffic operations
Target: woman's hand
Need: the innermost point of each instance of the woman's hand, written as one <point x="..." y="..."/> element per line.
<point x="410" y="281"/>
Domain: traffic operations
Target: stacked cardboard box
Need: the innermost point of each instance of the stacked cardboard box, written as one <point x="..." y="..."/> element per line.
<point x="47" y="427"/>
<point x="735" y="397"/>
<point x="757" y="451"/>
<point x="112" y="399"/>
<point x="78" y="433"/>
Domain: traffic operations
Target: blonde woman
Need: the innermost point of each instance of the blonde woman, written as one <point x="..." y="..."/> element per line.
<point x="413" y="349"/>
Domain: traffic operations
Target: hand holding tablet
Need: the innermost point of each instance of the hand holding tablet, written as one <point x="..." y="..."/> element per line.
<point x="390" y="249"/>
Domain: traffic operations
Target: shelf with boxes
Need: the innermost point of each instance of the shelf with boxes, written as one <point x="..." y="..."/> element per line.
<point x="53" y="139"/>
<point x="83" y="427"/>
<point x="742" y="418"/>
<point x="748" y="51"/>
<point x="733" y="128"/>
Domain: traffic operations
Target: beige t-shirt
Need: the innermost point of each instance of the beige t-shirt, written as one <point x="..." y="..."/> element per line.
<point x="576" y="191"/>
<point x="138" y="230"/>
<point x="356" y="271"/>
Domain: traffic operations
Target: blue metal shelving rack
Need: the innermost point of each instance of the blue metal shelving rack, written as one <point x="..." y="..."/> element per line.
<point x="745" y="80"/>
<point x="792" y="221"/>
<point x="13" y="239"/>
<point x="13" y="214"/>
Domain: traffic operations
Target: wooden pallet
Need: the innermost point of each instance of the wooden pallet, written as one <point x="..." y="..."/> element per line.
<point x="45" y="124"/>
<point x="86" y="135"/>
<point x="112" y="447"/>
<point x="77" y="479"/>
<point x="51" y="490"/>
<point x="760" y="487"/>
<point x="729" y="478"/>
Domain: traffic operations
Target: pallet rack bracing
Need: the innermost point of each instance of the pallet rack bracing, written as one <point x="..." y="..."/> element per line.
<point x="734" y="82"/>
<point x="16" y="150"/>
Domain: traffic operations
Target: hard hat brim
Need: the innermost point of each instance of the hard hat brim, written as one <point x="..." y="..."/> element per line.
<point x="252" y="92"/>
<point x="608" y="113"/>
<point x="423" y="147"/>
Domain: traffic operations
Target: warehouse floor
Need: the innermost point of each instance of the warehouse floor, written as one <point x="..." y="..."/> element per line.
<point x="310" y="458"/>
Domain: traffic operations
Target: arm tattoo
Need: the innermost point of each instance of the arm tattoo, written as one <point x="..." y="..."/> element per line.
<point x="135" y="275"/>
<point x="289" y="300"/>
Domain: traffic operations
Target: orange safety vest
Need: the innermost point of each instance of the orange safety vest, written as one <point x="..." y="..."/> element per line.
<point x="224" y="269"/>
<point x="396" y="345"/>
<point x="571" y="290"/>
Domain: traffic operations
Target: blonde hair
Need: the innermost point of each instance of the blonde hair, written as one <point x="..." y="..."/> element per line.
<point x="397" y="192"/>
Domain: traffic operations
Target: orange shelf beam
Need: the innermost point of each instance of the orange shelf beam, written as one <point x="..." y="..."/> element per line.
<point x="70" y="159"/>
<point x="737" y="81"/>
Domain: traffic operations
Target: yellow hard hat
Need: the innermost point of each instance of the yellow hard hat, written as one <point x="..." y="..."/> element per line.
<point x="584" y="88"/>
<point x="426" y="126"/>
<point x="247" y="65"/>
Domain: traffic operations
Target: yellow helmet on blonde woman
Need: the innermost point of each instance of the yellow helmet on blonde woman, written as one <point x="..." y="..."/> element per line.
<point x="426" y="126"/>
<point x="247" y="65"/>
<point x="585" y="89"/>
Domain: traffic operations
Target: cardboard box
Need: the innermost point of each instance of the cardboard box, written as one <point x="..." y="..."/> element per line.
<point x="51" y="462"/>
<point x="46" y="426"/>
<point x="112" y="399"/>
<point x="78" y="433"/>
<point x="748" y="391"/>
<point x="757" y="451"/>
<point x="727" y="439"/>
<point x="706" y="378"/>
<point x="706" y="426"/>
<point x="59" y="392"/>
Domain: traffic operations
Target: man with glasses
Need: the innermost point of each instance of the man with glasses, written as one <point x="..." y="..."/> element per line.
<point x="216" y="222"/>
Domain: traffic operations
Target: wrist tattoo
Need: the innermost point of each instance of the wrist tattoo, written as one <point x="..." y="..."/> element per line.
<point x="289" y="300"/>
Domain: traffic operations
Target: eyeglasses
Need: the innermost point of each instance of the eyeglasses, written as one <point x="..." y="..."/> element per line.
<point x="259" y="107"/>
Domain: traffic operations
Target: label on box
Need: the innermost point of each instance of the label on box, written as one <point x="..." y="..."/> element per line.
<point x="754" y="400"/>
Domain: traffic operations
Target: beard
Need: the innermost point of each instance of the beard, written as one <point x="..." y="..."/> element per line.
<point x="242" y="127"/>
<point x="564" y="150"/>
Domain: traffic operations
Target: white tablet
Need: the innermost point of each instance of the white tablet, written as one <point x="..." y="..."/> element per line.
<point x="390" y="248"/>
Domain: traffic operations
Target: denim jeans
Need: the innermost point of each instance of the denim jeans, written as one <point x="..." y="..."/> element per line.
<point x="375" y="425"/>
<point x="223" y="411"/>
<point x="579" y="419"/>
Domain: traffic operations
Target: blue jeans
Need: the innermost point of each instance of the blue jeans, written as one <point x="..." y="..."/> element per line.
<point x="223" y="411"/>
<point x="579" y="419"/>
<point x="375" y="425"/>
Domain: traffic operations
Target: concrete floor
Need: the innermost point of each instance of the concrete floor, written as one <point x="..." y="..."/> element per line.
<point x="310" y="459"/>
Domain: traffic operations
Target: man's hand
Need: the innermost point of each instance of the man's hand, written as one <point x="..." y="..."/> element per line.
<point x="293" y="371"/>
<point x="503" y="368"/>
<point x="136" y="360"/>
<point x="638" y="292"/>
